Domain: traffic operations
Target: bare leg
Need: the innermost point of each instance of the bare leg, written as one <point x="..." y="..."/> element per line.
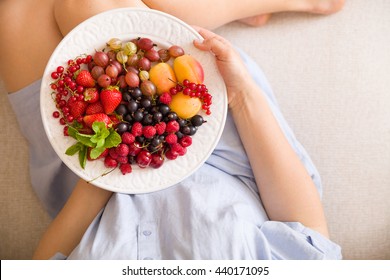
<point x="252" y="12"/>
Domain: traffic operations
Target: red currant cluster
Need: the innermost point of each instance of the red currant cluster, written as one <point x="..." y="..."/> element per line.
<point x="66" y="90"/>
<point x="196" y="91"/>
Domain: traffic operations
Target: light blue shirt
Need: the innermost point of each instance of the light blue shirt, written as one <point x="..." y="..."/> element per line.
<point x="216" y="213"/>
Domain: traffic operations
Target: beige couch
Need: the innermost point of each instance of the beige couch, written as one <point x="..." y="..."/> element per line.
<point x="331" y="76"/>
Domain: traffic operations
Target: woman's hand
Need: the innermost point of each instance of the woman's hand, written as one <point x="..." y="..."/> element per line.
<point x="230" y="65"/>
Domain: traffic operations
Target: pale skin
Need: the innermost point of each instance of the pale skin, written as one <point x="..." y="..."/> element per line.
<point x="286" y="189"/>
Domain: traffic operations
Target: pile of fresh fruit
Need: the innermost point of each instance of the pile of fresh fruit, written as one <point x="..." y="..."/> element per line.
<point x="131" y="103"/>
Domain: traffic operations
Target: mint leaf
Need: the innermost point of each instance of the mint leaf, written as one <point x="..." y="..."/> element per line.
<point x="83" y="156"/>
<point x="98" y="126"/>
<point x="100" y="143"/>
<point x="72" y="132"/>
<point x="72" y="150"/>
<point x="85" y="139"/>
<point x="113" y="140"/>
<point x="96" y="152"/>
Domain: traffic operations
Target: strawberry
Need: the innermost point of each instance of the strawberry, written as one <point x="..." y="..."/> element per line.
<point x="110" y="97"/>
<point x="77" y="108"/>
<point x="91" y="95"/>
<point x="94" y="108"/>
<point x="115" y="119"/>
<point x="90" y="119"/>
<point x="85" y="79"/>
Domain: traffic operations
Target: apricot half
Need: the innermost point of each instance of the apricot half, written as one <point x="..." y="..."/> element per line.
<point x="162" y="76"/>
<point x="187" y="67"/>
<point x="185" y="106"/>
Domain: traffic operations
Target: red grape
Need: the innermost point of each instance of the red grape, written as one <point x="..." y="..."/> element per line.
<point x="104" y="80"/>
<point x="145" y="44"/>
<point x="101" y="58"/>
<point x="175" y="51"/>
<point x="112" y="71"/>
<point x="132" y="79"/>
<point x="144" y="64"/>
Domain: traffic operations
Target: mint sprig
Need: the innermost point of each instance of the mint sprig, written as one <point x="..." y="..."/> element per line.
<point x="102" y="139"/>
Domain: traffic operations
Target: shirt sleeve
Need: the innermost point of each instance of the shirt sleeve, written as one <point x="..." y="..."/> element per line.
<point x="293" y="241"/>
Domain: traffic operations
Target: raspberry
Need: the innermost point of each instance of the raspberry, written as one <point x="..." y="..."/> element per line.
<point x="160" y="127"/>
<point x="185" y="141"/>
<point x="122" y="159"/>
<point x="149" y="131"/>
<point x="136" y="129"/>
<point x="172" y="126"/>
<point x="179" y="149"/>
<point x="125" y="168"/>
<point x="110" y="162"/>
<point x="171" y="138"/>
<point x="165" y="98"/>
<point x="112" y="153"/>
<point x="128" y="138"/>
<point x="122" y="150"/>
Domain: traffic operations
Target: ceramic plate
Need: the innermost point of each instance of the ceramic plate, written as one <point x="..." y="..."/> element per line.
<point x="164" y="30"/>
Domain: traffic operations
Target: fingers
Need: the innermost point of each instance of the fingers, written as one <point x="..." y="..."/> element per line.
<point x="212" y="42"/>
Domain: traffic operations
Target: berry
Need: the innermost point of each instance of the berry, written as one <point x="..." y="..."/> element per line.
<point x="91" y="95"/>
<point x="157" y="161"/>
<point x="109" y="162"/>
<point x="149" y="131"/>
<point x="197" y="120"/>
<point x="179" y="149"/>
<point x="94" y="108"/>
<point x="185" y="141"/>
<point x="127" y="138"/>
<point x="84" y="78"/>
<point x="110" y="98"/>
<point x="144" y="158"/>
<point x="172" y="126"/>
<point x="122" y="150"/>
<point x="160" y="127"/>
<point x="112" y="152"/>
<point x="171" y="138"/>
<point x="122" y="160"/>
<point x="171" y="154"/>
<point x="165" y="98"/>
<point x="78" y="108"/>
<point x="90" y="119"/>
<point x="125" y="168"/>
<point x="136" y="129"/>
<point x="135" y="149"/>
<point x="56" y="114"/>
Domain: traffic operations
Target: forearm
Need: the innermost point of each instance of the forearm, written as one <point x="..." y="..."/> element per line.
<point x="67" y="229"/>
<point x="285" y="187"/>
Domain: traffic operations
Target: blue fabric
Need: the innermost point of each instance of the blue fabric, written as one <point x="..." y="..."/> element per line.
<point x="215" y="213"/>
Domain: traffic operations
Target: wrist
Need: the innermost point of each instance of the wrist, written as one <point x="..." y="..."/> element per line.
<point x="240" y="99"/>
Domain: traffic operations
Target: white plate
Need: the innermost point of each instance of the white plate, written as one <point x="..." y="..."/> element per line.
<point x="164" y="30"/>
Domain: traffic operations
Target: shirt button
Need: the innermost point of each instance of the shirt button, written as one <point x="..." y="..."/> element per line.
<point x="146" y="232"/>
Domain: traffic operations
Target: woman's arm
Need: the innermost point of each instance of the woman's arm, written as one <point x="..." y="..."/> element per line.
<point x="285" y="187"/>
<point x="67" y="229"/>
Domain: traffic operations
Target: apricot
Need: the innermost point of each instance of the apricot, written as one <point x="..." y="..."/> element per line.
<point x="162" y="76"/>
<point x="185" y="106"/>
<point x="187" y="67"/>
